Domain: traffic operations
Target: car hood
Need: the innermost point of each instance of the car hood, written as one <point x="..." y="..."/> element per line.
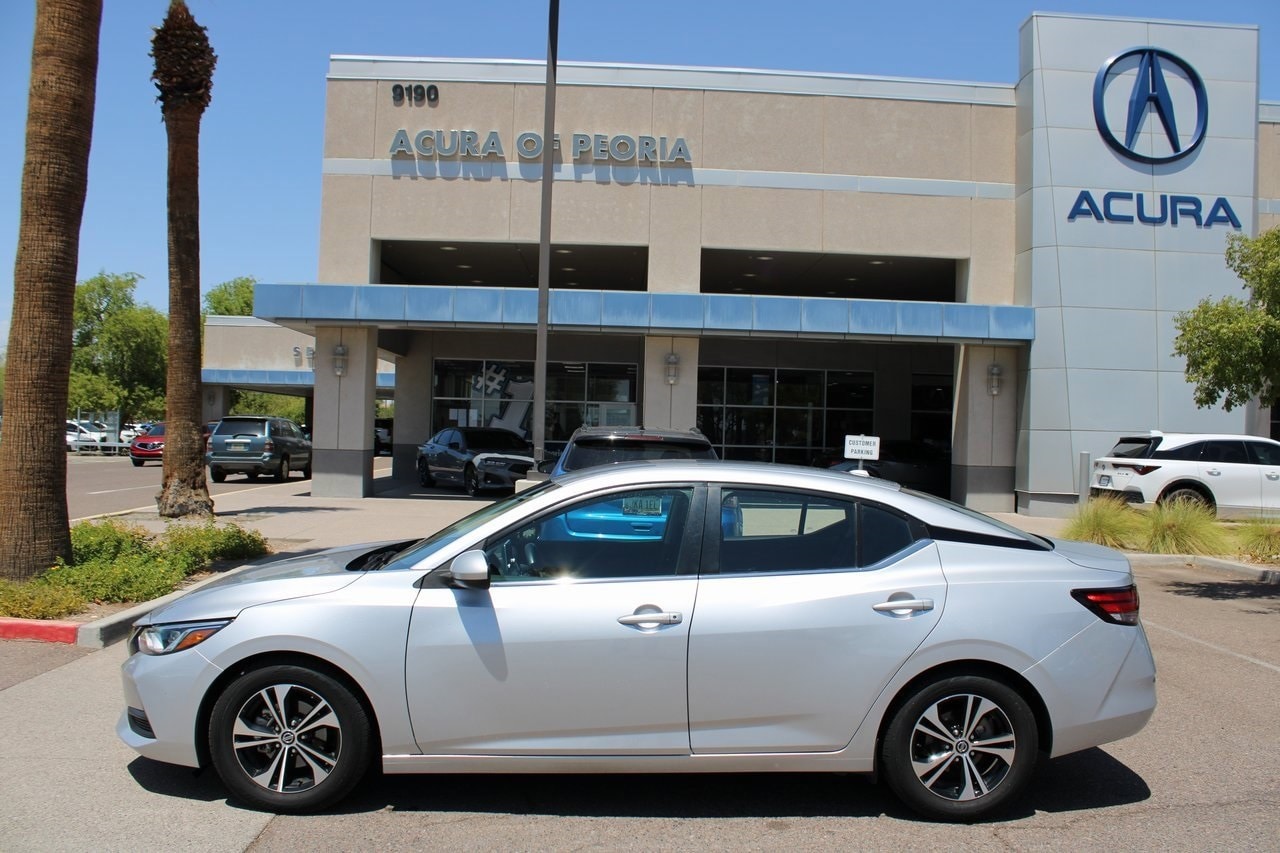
<point x="505" y="457"/>
<point x="1092" y="556"/>
<point x="294" y="577"/>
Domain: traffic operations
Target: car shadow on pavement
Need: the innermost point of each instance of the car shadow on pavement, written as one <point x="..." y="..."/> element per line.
<point x="170" y="780"/>
<point x="1086" y="780"/>
<point x="1227" y="590"/>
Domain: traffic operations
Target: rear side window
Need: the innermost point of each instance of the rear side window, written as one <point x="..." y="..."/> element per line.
<point x="1226" y="452"/>
<point x="588" y="453"/>
<point x="241" y="426"/>
<point x="1186" y="453"/>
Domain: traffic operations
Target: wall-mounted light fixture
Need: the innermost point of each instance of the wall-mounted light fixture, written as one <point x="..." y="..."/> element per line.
<point x="993" y="379"/>
<point x="673" y="368"/>
<point x="339" y="360"/>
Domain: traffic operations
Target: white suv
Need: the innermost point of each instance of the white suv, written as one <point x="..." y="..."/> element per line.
<point x="1236" y="474"/>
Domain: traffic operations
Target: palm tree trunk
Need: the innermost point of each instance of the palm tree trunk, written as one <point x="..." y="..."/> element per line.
<point x="34" y="525"/>
<point x="185" y="490"/>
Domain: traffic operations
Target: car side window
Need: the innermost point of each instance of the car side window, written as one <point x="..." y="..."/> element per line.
<point x="1263" y="453"/>
<point x="780" y="531"/>
<point x="1225" y="452"/>
<point x="884" y="533"/>
<point x="1186" y="453"/>
<point x="631" y="534"/>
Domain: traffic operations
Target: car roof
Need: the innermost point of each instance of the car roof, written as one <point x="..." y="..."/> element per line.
<point x="1177" y="439"/>
<point x="634" y="430"/>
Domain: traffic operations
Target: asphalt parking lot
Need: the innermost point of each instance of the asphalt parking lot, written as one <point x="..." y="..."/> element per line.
<point x="1202" y="775"/>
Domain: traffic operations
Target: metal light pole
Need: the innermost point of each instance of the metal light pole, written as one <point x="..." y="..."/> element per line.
<point x="544" y="241"/>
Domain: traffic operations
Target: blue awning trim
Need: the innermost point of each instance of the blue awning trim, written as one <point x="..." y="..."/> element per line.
<point x="422" y="306"/>
<point x="278" y="378"/>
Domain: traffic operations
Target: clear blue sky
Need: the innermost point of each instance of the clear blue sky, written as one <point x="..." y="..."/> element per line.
<point x="261" y="140"/>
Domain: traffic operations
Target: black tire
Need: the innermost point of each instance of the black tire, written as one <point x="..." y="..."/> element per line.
<point x="306" y="472"/>
<point x="252" y="476"/>
<point x="1189" y="495"/>
<point x="137" y="463"/>
<point x="247" y="740"/>
<point x="471" y="482"/>
<point x="218" y="475"/>
<point x="282" y="473"/>
<point x="973" y="768"/>
<point x="424" y="474"/>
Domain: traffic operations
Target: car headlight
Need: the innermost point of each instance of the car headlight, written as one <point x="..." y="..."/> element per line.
<point x="493" y="463"/>
<point x="166" y="639"/>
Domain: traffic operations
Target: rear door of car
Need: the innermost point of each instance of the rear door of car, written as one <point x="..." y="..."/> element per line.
<point x="1266" y="455"/>
<point x="1226" y="468"/>
<point x="795" y="635"/>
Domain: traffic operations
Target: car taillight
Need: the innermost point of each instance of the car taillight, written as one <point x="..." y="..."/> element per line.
<point x="1118" y="605"/>
<point x="269" y="446"/>
<point x="1140" y="469"/>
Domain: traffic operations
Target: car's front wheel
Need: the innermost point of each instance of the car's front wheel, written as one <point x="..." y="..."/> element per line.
<point x="471" y="481"/>
<point x="289" y="739"/>
<point x="424" y="474"/>
<point x="137" y="463"/>
<point x="961" y="748"/>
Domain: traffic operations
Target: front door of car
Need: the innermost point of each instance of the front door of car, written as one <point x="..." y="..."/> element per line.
<point x="441" y="458"/>
<point x="795" y="635"/>
<point x="578" y="647"/>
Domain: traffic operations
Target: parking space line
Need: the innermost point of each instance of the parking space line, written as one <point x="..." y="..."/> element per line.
<point x="1216" y="648"/>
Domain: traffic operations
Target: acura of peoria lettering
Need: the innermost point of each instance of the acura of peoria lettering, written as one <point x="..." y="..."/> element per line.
<point x="598" y="147"/>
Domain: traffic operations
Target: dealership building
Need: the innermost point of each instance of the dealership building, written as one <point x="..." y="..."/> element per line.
<point x="989" y="271"/>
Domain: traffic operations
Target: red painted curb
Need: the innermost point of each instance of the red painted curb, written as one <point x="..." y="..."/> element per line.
<point x="46" y="630"/>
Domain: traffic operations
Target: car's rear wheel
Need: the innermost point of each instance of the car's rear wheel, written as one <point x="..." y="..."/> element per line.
<point x="470" y="481"/>
<point x="283" y="473"/>
<point x="217" y="475"/>
<point x="289" y="739"/>
<point x="1188" y="495"/>
<point x="424" y="474"/>
<point x="960" y="748"/>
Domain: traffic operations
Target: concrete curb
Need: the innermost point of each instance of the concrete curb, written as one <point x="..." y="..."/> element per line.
<point x="99" y="633"/>
<point x="1217" y="564"/>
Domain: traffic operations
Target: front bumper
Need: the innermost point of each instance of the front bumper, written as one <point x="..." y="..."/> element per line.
<point x="162" y="693"/>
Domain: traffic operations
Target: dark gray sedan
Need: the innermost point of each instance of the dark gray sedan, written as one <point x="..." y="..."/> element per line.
<point x="475" y="458"/>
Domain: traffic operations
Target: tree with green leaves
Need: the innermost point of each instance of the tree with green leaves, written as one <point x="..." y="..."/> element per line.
<point x="119" y="350"/>
<point x="1232" y="345"/>
<point x="34" y="525"/>
<point x="231" y="298"/>
<point x="184" y="63"/>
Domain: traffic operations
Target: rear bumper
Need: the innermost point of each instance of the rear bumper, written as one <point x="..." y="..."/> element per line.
<point x="1132" y="496"/>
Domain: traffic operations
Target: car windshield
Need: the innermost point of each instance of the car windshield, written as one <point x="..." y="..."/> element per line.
<point x="589" y="452"/>
<point x="421" y="550"/>
<point x="158" y="429"/>
<point x="494" y="439"/>
<point x="1041" y="542"/>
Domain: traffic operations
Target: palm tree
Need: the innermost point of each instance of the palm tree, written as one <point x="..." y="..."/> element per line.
<point x="184" y="76"/>
<point x="34" y="527"/>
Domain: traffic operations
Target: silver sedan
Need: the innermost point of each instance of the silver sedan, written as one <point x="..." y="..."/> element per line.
<point x="666" y="617"/>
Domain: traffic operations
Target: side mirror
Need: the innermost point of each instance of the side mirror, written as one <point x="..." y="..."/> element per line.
<point x="470" y="570"/>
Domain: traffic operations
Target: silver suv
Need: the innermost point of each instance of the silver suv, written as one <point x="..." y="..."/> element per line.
<point x="1234" y="474"/>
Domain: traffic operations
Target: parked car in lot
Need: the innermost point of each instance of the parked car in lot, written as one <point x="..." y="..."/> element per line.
<point x="148" y="447"/>
<point x="383" y="435"/>
<point x="475" y="458"/>
<point x="841" y="625"/>
<point x="604" y="445"/>
<point x="1237" y="475"/>
<point x="257" y="444"/>
<point x="80" y="437"/>
<point x="128" y="432"/>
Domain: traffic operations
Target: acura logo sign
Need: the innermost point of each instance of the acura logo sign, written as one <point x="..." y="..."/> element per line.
<point x="1151" y="103"/>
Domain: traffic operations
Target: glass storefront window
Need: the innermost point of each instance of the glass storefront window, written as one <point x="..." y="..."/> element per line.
<point x="710" y="386"/>
<point x="850" y="390"/>
<point x="800" y="388"/>
<point x="745" y="386"/>
<point x="615" y="383"/>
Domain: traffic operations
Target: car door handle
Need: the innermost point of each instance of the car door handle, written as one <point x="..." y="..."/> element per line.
<point x="905" y="604"/>
<point x="652" y="619"/>
<point x="1272" y="475"/>
<point x="1213" y="472"/>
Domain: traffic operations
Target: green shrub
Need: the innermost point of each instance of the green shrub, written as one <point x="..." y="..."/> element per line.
<point x="1104" y="521"/>
<point x="92" y="541"/>
<point x="1260" y="540"/>
<point x="1182" y="527"/>
<point x="129" y="577"/>
<point x="195" y="546"/>
<point x="39" y="601"/>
